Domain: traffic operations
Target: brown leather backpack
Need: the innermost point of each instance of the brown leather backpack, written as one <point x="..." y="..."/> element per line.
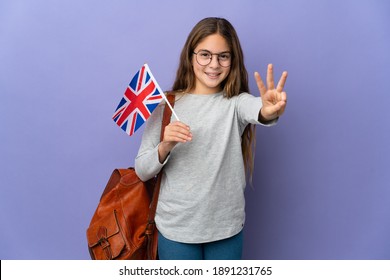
<point x="122" y="227"/>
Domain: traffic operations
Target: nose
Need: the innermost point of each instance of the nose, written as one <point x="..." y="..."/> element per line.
<point x="214" y="61"/>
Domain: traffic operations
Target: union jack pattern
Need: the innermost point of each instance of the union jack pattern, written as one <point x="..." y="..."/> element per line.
<point x="141" y="97"/>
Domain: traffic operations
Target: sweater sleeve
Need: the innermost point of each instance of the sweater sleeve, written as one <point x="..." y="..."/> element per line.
<point x="248" y="108"/>
<point x="147" y="164"/>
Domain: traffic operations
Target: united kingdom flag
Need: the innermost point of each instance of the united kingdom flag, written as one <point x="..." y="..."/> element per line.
<point x="141" y="97"/>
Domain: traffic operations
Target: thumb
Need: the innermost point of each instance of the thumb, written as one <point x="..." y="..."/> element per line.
<point x="271" y="112"/>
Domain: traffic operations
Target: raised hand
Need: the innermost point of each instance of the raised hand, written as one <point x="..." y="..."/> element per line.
<point x="274" y="99"/>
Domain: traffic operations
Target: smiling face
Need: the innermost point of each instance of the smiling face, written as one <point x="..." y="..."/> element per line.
<point x="208" y="78"/>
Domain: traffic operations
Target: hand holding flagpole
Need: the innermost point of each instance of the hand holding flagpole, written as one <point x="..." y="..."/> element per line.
<point x="174" y="133"/>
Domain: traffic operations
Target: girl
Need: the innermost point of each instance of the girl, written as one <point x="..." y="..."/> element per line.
<point x="206" y="155"/>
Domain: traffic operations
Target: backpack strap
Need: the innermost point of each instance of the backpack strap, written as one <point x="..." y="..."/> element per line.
<point x="151" y="226"/>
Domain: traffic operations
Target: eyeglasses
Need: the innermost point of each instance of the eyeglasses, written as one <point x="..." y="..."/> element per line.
<point x="204" y="58"/>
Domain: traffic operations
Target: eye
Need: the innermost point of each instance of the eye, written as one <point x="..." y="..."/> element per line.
<point x="204" y="54"/>
<point x="224" y="56"/>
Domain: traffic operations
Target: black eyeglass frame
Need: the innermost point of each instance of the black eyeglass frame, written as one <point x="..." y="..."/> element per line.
<point x="211" y="57"/>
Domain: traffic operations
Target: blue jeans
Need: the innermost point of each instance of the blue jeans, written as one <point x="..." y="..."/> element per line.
<point x="226" y="249"/>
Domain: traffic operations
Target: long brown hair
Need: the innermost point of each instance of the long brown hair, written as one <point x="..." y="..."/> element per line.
<point x="234" y="84"/>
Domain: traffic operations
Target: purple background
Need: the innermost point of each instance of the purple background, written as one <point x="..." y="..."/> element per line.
<point x="321" y="183"/>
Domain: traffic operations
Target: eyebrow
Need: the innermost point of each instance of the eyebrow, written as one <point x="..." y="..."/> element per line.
<point x="212" y="52"/>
